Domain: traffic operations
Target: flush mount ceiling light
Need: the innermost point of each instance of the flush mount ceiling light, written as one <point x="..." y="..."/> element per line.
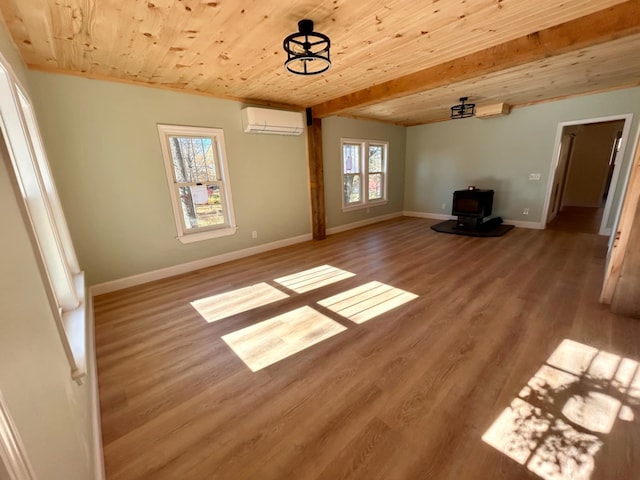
<point x="464" y="110"/>
<point x="307" y="51"/>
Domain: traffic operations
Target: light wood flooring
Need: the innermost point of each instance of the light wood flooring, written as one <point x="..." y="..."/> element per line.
<point x="498" y="363"/>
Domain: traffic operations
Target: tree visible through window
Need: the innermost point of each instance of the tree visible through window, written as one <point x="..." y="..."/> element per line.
<point x="364" y="172"/>
<point x="198" y="178"/>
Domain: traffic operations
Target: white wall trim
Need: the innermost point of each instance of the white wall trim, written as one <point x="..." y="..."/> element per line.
<point x="139" y="279"/>
<point x="522" y="224"/>
<point x="166" y="272"/>
<point x="434" y="216"/>
<point x="12" y="452"/>
<point x="440" y="216"/>
<point x="92" y="375"/>
<point x="623" y="194"/>
<point x="362" y="223"/>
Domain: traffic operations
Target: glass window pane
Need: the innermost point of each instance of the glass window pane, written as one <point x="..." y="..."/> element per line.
<point x="181" y="173"/>
<point x="375" y="186"/>
<point x="375" y="158"/>
<point x="193" y="159"/>
<point x="351" y="189"/>
<point x="350" y="158"/>
<point x="188" y="208"/>
<point x="209" y="156"/>
<point x="202" y="206"/>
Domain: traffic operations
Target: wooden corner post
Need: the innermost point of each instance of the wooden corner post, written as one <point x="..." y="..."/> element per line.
<point x="316" y="176"/>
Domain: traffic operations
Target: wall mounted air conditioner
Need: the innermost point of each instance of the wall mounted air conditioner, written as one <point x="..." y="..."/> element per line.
<point x="274" y="122"/>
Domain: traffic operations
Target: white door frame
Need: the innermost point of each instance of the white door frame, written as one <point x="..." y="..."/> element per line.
<point x="628" y="117"/>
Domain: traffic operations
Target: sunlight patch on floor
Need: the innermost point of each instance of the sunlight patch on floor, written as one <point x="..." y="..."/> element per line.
<point x="277" y="338"/>
<point x="223" y="305"/>
<point x="560" y="419"/>
<point x="313" y="278"/>
<point x="367" y="301"/>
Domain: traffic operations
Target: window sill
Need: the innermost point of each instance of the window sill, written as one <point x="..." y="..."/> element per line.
<point x="363" y="206"/>
<point x="209" y="234"/>
<point x="75" y="328"/>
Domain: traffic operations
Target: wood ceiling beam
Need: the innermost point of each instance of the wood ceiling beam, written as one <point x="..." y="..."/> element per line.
<point x="603" y="26"/>
<point x="316" y="179"/>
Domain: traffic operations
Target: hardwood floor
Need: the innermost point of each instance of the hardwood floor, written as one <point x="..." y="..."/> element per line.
<point x="502" y="363"/>
<point x="578" y="220"/>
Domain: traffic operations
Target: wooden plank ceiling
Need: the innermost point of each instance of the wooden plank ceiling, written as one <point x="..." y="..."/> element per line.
<point x="233" y="49"/>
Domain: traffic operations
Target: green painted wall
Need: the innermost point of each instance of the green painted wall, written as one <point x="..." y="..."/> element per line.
<point x="51" y="412"/>
<point x="500" y="153"/>
<point x="335" y="128"/>
<point x="103" y="145"/>
<point x="104" y="148"/>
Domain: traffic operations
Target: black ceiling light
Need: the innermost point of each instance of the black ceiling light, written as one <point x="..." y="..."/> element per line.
<point x="464" y="110"/>
<point x="307" y="51"/>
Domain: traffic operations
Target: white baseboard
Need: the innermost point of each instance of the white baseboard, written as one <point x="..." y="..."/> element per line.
<point x="521" y="224"/>
<point x="440" y="216"/>
<point x="434" y="216"/>
<point x="92" y="374"/>
<point x="362" y="223"/>
<point x="166" y="272"/>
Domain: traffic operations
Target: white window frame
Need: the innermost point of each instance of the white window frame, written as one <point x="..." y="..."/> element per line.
<point x="43" y="214"/>
<point x="189" y="235"/>
<point x="364" y="145"/>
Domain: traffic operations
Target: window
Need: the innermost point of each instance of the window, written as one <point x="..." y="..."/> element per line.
<point x="364" y="173"/>
<point x="44" y="217"/>
<point x="198" y="177"/>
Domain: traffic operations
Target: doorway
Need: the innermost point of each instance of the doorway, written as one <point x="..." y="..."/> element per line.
<point x="585" y="174"/>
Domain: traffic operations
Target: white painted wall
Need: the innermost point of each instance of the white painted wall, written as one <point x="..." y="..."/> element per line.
<point x="589" y="163"/>
<point x="51" y="412"/>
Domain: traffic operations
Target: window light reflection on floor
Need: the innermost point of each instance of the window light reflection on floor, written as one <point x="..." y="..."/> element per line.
<point x="367" y="301"/>
<point x="561" y="418"/>
<point x="277" y="338"/>
<point x="223" y="305"/>
<point x="313" y="278"/>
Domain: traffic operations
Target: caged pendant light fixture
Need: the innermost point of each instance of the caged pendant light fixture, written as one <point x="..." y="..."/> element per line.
<point x="307" y="51"/>
<point x="464" y="110"/>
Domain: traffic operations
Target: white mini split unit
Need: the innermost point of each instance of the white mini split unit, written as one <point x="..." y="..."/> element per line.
<point x="274" y="122"/>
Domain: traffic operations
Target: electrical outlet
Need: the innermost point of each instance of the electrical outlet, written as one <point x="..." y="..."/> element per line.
<point x="525" y="211"/>
<point x="534" y="176"/>
<point x="254" y="234"/>
<point x="444" y="206"/>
